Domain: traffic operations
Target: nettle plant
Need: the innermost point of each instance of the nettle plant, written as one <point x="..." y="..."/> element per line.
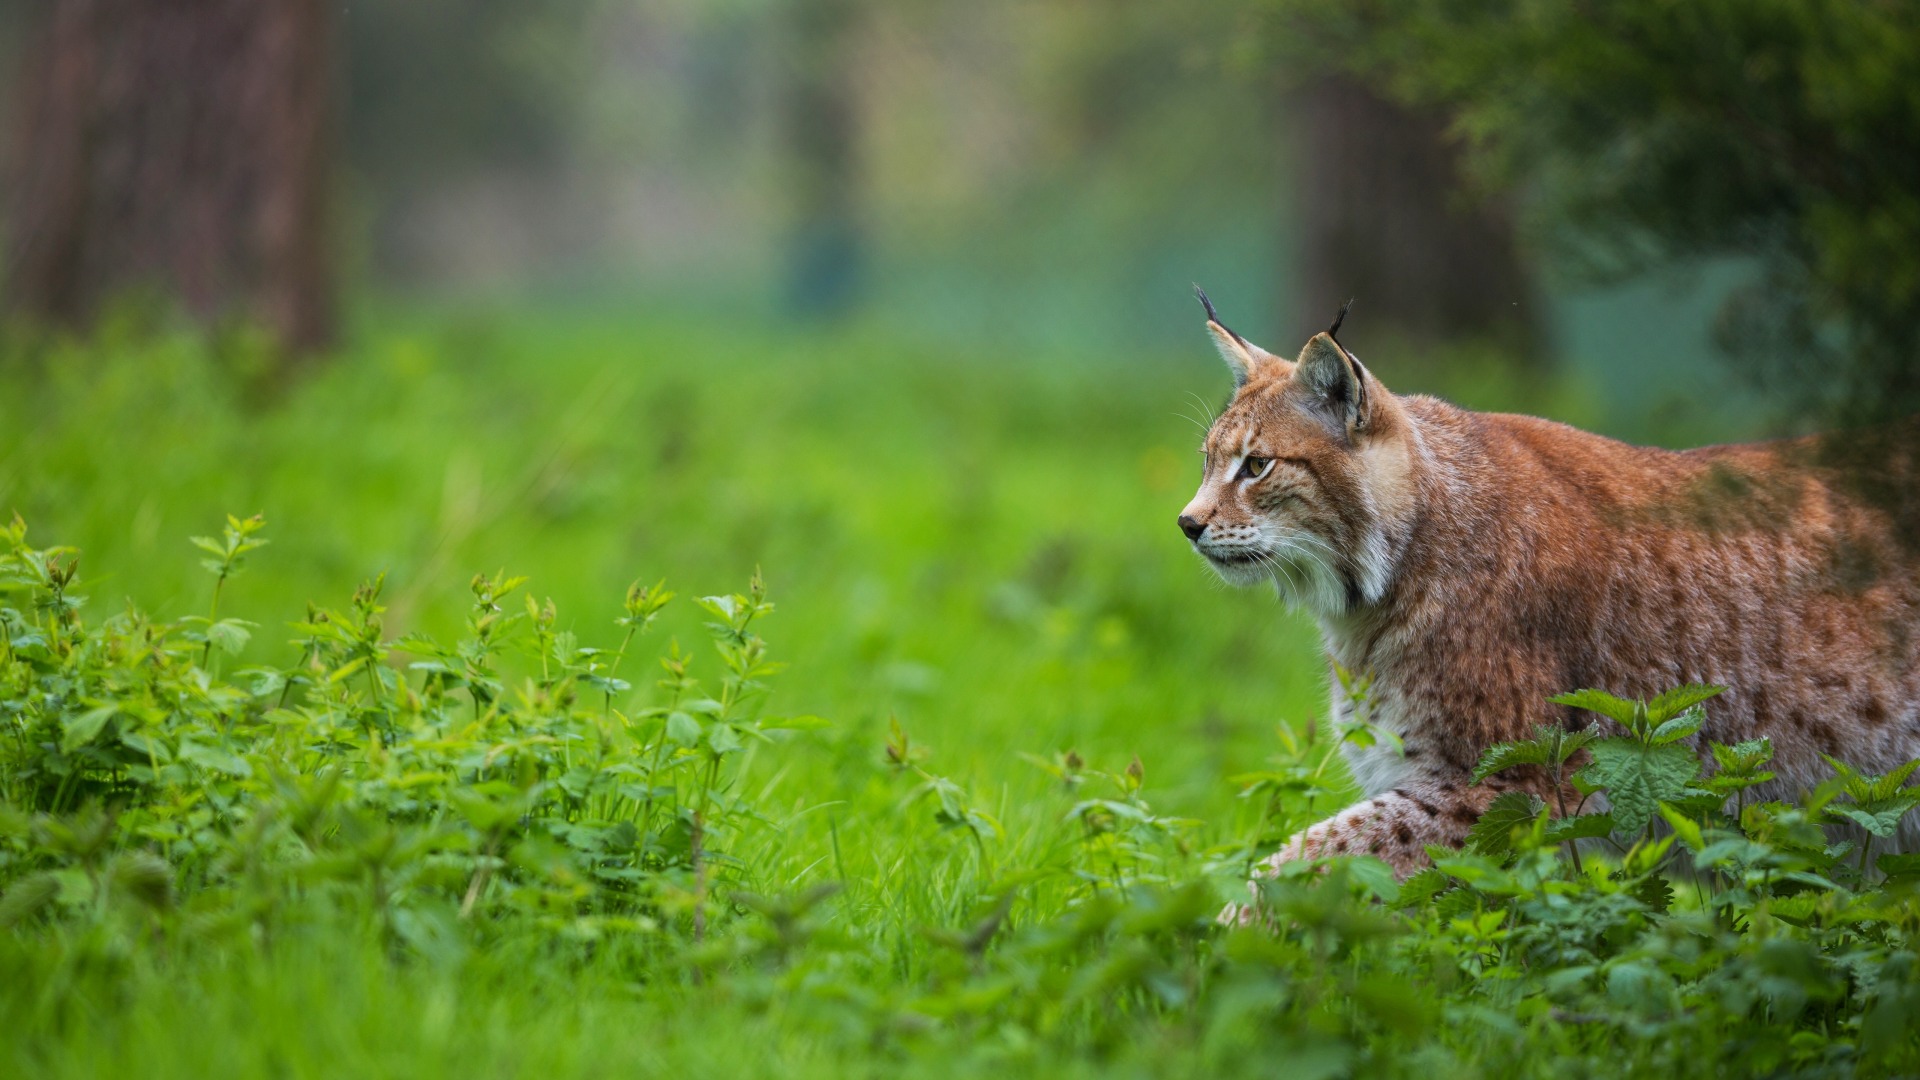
<point x="1657" y="794"/>
<point x="1682" y="912"/>
<point x="440" y="789"/>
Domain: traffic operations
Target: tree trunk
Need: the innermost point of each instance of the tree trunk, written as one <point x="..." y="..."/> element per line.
<point x="1386" y="223"/>
<point x="178" y="144"/>
<point x="820" y="122"/>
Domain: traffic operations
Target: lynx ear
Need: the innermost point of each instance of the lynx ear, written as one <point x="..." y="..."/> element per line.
<point x="1334" y="377"/>
<point x="1242" y="356"/>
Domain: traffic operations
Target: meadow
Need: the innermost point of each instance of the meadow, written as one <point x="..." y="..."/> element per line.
<point x="672" y="696"/>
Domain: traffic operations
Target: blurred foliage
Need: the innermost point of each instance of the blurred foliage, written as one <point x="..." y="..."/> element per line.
<point x="1047" y="175"/>
<point x="1780" y="131"/>
<point x="438" y="86"/>
<point x="1054" y="171"/>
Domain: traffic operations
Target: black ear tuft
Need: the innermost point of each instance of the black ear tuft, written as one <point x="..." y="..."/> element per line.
<point x="1334" y="330"/>
<point x="1214" y="317"/>
<point x="1243" y="357"/>
<point x="1204" y="302"/>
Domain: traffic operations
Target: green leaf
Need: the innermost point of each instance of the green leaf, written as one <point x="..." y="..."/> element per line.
<point x="1892" y="784"/>
<point x="723" y="739"/>
<point x="215" y="758"/>
<point x="724" y="606"/>
<point x="230" y="635"/>
<point x="1598" y="701"/>
<point x="27" y="896"/>
<point x="263" y="682"/>
<point x="1654" y="891"/>
<point x="1879" y="802"/>
<point x="144" y="877"/>
<point x="1638" y="987"/>
<point x="14" y="822"/>
<point x="1679" y="699"/>
<point x="1492" y="835"/>
<point x="1724" y="784"/>
<point x="1901" y="867"/>
<point x="1567" y="743"/>
<point x="1375" y="876"/>
<point x="31" y="644"/>
<point x="1880" y="823"/>
<point x="152" y="747"/>
<point x="1698" y="802"/>
<point x="1503" y="756"/>
<point x="1579" y="827"/>
<point x="1550" y="745"/>
<point x="1743" y="757"/>
<point x="1679" y="727"/>
<point x="1422" y="887"/>
<point x="78" y="731"/>
<point x="1684" y="827"/>
<point x="488" y="814"/>
<point x="682" y="729"/>
<point x="1739" y="765"/>
<point x="1636" y="778"/>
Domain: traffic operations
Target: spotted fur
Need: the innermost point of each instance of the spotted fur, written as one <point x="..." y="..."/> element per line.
<point x="1474" y="564"/>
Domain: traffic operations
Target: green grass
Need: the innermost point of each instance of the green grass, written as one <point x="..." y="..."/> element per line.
<point x="974" y="570"/>
<point x="983" y="546"/>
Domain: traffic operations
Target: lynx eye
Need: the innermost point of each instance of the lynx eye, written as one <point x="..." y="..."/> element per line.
<point x="1253" y="468"/>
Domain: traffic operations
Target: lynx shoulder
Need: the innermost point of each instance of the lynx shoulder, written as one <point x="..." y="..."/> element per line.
<point x="1474" y="565"/>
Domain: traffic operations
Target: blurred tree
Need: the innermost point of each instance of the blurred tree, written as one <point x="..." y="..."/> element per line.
<point x="178" y="143"/>
<point x="1782" y="132"/>
<point x="820" y="125"/>
<point x="445" y="91"/>
<point x="1385" y="218"/>
<point x="1380" y="210"/>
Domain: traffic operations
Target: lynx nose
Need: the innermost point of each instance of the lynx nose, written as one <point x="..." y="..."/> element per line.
<point x="1192" y="526"/>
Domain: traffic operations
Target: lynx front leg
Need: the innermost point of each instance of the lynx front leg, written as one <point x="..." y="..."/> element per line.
<point x="1395" y="827"/>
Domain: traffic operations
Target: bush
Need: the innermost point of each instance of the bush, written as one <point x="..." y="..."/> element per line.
<point x="423" y="794"/>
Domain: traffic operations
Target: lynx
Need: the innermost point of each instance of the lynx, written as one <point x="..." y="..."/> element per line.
<point x="1473" y="565"/>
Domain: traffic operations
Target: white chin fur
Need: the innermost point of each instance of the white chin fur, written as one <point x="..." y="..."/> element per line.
<point x="1241" y="573"/>
<point x="1300" y="579"/>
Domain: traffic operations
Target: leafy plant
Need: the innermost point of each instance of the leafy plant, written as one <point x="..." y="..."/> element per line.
<point x="1874" y="803"/>
<point x="444" y="788"/>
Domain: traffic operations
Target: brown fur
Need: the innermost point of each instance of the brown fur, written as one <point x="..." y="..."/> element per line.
<point x="1476" y="564"/>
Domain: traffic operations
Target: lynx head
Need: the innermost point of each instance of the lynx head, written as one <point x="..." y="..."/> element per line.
<point x="1308" y="475"/>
